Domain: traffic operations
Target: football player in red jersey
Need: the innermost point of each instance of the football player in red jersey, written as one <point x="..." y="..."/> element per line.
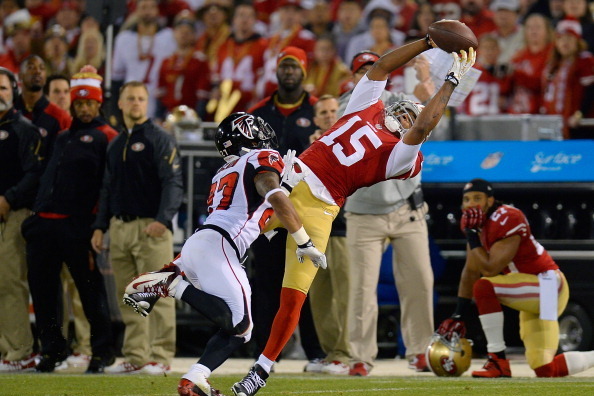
<point x="505" y="265"/>
<point x="361" y="149"/>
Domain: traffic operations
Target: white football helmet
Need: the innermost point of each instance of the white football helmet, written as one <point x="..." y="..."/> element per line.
<point x="449" y="358"/>
<point x="404" y="111"/>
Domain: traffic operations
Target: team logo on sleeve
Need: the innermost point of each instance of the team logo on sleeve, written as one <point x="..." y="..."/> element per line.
<point x="272" y="158"/>
<point x="3" y="135"/>
<point x="244" y="125"/>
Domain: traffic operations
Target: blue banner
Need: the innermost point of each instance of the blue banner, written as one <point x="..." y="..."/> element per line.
<point x="513" y="161"/>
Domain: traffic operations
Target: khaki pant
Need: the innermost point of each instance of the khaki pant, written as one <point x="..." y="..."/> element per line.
<point x="72" y="303"/>
<point x="133" y="252"/>
<point x="411" y="264"/>
<point x="328" y="294"/>
<point x="16" y="340"/>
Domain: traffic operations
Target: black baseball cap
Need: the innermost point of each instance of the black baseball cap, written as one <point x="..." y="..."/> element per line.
<point x="480" y="185"/>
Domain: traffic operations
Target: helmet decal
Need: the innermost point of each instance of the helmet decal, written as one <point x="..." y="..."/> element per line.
<point x="244" y="125"/>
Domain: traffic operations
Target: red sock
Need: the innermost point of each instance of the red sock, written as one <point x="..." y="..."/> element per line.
<point x="485" y="297"/>
<point x="557" y="368"/>
<point x="285" y="322"/>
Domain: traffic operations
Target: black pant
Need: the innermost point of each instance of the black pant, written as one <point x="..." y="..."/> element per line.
<point x="269" y="269"/>
<point x="51" y="242"/>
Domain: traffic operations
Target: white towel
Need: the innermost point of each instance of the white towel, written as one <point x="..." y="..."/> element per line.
<point x="548" y="285"/>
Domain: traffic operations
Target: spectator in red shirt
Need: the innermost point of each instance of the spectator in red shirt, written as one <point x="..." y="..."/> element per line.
<point x="569" y="78"/>
<point x="477" y="17"/>
<point x="509" y="32"/>
<point x="524" y="85"/>
<point x="20" y="33"/>
<point x="578" y="9"/>
<point x="214" y="15"/>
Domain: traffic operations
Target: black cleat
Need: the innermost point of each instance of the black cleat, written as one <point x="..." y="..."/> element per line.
<point x="251" y="383"/>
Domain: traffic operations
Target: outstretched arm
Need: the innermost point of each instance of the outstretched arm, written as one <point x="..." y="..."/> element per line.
<point x="399" y="57"/>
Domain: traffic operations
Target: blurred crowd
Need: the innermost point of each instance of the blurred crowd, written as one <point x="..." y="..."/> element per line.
<point x="219" y="56"/>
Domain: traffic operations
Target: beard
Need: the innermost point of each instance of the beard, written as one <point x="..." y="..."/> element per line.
<point x="35" y="88"/>
<point x="5" y="105"/>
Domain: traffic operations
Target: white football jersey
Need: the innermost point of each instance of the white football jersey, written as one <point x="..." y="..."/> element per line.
<point x="234" y="205"/>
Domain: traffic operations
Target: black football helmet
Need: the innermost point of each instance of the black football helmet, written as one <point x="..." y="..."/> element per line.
<point x="240" y="133"/>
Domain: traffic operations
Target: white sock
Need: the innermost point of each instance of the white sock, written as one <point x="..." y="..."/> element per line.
<point x="196" y="371"/>
<point x="493" y="327"/>
<point x="179" y="289"/>
<point x="265" y="363"/>
<point x="578" y="361"/>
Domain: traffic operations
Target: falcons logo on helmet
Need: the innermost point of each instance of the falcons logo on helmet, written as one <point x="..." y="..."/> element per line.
<point x="244" y="124"/>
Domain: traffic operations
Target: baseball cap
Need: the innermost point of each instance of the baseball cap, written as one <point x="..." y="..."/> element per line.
<point x="480" y="185"/>
<point x="569" y="26"/>
<point x="363" y="58"/>
<point x="510" y="5"/>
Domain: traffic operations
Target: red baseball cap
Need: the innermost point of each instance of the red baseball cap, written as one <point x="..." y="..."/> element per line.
<point x="569" y="26"/>
<point x="294" y="53"/>
<point x="363" y="58"/>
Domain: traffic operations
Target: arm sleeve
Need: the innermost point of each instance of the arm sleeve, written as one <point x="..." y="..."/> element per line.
<point x="23" y="192"/>
<point x="366" y="93"/>
<point x="170" y="175"/>
<point x="405" y="161"/>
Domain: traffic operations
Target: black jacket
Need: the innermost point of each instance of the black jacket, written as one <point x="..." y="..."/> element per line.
<point x="20" y="160"/>
<point x="143" y="176"/>
<point x="71" y="182"/>
<point x="292" y="131"/>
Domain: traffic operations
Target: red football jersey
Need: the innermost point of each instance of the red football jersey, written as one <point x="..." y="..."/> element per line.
<point x="354" y="153"/>
<point x="525" y="81"/>
<point x="184" y="80"/>
<point x="484" y="97"/>
<point x="531" y="258"/>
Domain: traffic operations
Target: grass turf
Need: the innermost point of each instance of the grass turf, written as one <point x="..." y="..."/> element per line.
<point x="287" y="384"/>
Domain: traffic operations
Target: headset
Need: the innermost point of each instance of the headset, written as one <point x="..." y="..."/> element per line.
<point x="13" y="81"/>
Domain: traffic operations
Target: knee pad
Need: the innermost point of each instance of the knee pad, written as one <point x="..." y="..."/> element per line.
<point x="485" y="297"/>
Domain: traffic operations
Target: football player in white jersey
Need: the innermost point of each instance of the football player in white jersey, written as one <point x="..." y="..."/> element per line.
<point x="244" y="194"/>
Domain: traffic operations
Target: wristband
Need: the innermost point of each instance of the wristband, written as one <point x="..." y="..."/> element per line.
<point x="428" y="40"/>
<point x="300" y="236"/>
<point x="462" y="307"/>
<point x="451" y="78"/>
<point x="273" y="191"/>
<point x="473" y="238"/>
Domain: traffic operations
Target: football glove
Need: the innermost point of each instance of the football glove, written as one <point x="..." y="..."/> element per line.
<point x="462" y="63"/>
<point x="472" y="218"/>
<point x="292" y="172"/>
<point x="309" y="250"/>
<point x="451" y="326"/>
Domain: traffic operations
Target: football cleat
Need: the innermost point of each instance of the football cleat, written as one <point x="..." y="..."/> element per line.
<point x="494" y="368"/>
<point x="161" y="282"/>
<point x="50" y="362"/>
<point x="315" y="366"/>
<point x="203" y="388"/>
<point x="419" y="364"/>
<point x="25" y="364"/>
<point x="142" y="303"/>
<point x="360" y="369"/>
<point x="251" y="383"/>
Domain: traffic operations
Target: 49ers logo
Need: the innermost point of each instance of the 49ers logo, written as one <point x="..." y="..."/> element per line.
<point x="137" y="146"/>
<point x="244" y="124"/>
<point x="3" y="135"/>
<point x="448" y="365"/>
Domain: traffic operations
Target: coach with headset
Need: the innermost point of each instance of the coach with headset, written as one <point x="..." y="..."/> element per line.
<point x="20" y="169"/>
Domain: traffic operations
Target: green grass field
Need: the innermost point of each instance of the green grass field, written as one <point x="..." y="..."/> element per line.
<point x="294" y="384"/>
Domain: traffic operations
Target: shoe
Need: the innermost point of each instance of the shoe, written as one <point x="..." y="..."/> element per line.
<point x="360" y="369"/>
<point x="154" y="368"/>
<point x="145" y="290"/>
<point x="315" y="366"/>
<point x="78" y="360"/>
<point x="188" y="388"/>
<point x="494" y="368"/>
<point x="419" y="364"/>
<point x="25" y="364"/>
<point x="251" y="383"/>
<point x="161" y="282"/>
<point x="336" y="368"/>
<point x="123" y="368"/>
<point x="98" y="364"/>
<point x="50" y="362"/>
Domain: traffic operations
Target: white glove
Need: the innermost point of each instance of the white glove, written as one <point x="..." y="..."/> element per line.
<point x="317" y="258"/>
<point x="292" y="172"/>
<point x="462" y="63"/>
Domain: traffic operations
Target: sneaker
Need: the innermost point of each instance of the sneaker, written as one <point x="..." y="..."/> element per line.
<point x="25" y="364"/>
<point x="123" y="368"/>
<point x="494" y="368"/>
<point x="336" y="368"/>
<point x="142" y="303"/>
<point x="360" y="369"/>
<point x="50" y="362"/>
<point x="315" y="366"/>
<point x="154" y="368"/>
<point x="98" y="364"/>
<point x="251" y="383"/>
<point x="188" y="388"/>
<point x="419" y="363"/>
<point x="161" y="282"/>
<point x="78" y="360"/>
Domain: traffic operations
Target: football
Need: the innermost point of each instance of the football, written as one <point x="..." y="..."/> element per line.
<point x="452" y="36"/>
